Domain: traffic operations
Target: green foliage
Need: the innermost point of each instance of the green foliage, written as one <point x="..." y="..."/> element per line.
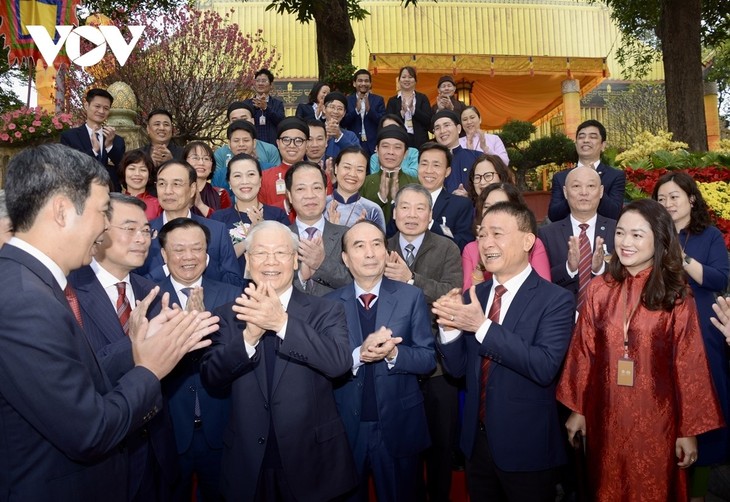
<point x="526" y="155"/>
<point x="306" y="9"/>
<point x="339" y="76"/>
<point x="638" y="21"/>
<point x="8" y="100"/>
<point x="121" y="9"/>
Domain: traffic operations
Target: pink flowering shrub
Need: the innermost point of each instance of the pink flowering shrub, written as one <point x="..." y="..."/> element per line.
<point x="32" y="125"/>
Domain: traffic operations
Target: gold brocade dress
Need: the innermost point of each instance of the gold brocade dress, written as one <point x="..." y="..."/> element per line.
<point x="631" y="431"/>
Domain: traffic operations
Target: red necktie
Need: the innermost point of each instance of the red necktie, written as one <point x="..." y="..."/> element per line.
<point x="584" y="266"/>
<point x="73" y="302"/>
<point x="124" y="309"/>
<point x="367" y="299"/>
<point x="493" y="316"/>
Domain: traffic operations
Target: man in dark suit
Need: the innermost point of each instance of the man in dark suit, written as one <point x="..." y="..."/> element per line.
<point x="268" y="111"/>
<point x="562" y="239"/>
<point x="452" y="215"/>
<point x="446" y="129"/>
<point x="67" y="419"/>
<point x="590" y="141"/>
<point x="278" y="350"/>
<point x="176" y="190"/>
<point x="106" y="291"/>
<point x="435" y="268"/>
<point x="511" y="434"/>
<point x="380" y="400"/>
<point x="321" y="269"/>
<point x="338" y="138"/>
<point x="198" y="415"/>
<point x="159" y="130"/>
<point x="94" y="137"/>
<point x="364" y="111"/>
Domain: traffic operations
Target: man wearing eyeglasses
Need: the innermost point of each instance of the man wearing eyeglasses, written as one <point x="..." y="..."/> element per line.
<point x="335" y="108"/>
<point x="293" y="134"/>
<point x="198" y="414"/>
<point x="446" y="130"/>
<point x="107" y="291"/>
<point x="176" y="191"/>
<point x="278" y="350"/>
<point x="268" y="111"/>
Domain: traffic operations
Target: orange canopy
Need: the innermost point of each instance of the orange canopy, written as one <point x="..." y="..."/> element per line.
<point x="504" y="88"/>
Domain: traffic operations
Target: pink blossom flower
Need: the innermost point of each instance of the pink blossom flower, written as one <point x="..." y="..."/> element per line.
<point x="36" y="123"/>
<point x="4" y="137"/>
<point x="31" y="129"/>
<point x="18" y="134"/>
<point x="11" y="126"/>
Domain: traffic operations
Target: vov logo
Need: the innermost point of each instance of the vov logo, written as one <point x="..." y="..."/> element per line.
<point x="71" y="36"/>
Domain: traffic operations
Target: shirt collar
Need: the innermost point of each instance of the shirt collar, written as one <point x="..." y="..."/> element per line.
<point x="417" y="242"/>
<point x="319" y="225"/>
<point x="515" y="283"/>
<point x="591" y="222"/>
<point x="285" y="297"/>
<point x="39" y="255"/>
<point x="105" y="277"/>
<point x="374" y="290"/>
<point x="165" y="220"/>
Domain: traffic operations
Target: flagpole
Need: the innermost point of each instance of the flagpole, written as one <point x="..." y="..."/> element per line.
<point x="31" y="69"/>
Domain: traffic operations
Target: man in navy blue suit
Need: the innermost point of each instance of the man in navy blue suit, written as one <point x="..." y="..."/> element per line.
<point x="268" y="111"/>
<point x="583" y="191"/>
<point x="380" y="400"/>
<point x="279" y="350"/>
<point x="590" y="141"/>
<point x="105" y="289"/>
<point x="446" y="129"/>
<point x="508" y="336"/>
<point x="198" y="415"/>
<point x="176" y="191"/>
<point x="64" y="421"/>
<point x="364" y="111"/>
<point x="94" y="137"/>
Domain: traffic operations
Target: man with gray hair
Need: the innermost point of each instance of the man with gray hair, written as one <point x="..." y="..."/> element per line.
<point x="278" y="351"/>
<point x="67" y="419"/>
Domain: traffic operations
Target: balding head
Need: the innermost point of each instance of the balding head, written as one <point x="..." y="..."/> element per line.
<point x="583" y="191"/>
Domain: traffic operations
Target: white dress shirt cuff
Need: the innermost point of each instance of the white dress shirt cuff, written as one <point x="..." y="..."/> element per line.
<point x="250" y="349"/>
<point x="448" y="336"/>
<point x="356" y="362"/>
<point x="482" y="331"/>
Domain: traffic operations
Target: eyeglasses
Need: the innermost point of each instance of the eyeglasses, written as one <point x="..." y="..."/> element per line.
<point x="146" y="232"/>
<point x="177" y="184"/>
<point x="486" y="177"/>
<point x="288" y="140"/>
<point x="279" y="256"/>
<point x="195" y="158"/>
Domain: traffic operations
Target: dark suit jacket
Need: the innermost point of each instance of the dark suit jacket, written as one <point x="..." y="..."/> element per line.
<point x="332" y="274"/>
<point x="114" y="350"/>
<point x="526" y="354"/>
<point x="175" y="150"/>
<point x="354" y="123"/>
<point x="614" y="190"/>
<point x="223" y="264"/>
<point x="274" y="114"/>
<point x="555" y="238"/>
<point x="315" y="455"/>
<point x="63" y="421"/>
<point x="334" y="147"/>
<point x="78" y="139"/>
<point x="459" y="214"/>
<point x="421" y="117"/>
<point x="462" y="161"/>
<point x="401" y="308"/>
<point x="215" y="405"/>
<point x="305" y="111"/>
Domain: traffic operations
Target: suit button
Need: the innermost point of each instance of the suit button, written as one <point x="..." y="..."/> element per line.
<point x="266" y="406"/>
<point x="262" y="440"/>
<point x="191" y="388"/>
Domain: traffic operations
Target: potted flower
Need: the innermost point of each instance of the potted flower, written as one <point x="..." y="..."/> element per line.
<point x="31" y="126"/>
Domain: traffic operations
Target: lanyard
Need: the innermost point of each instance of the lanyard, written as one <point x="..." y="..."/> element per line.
<point x="627" y="319"/>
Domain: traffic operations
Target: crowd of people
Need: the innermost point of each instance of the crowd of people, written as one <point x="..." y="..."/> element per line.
<point x="298" y="312"/>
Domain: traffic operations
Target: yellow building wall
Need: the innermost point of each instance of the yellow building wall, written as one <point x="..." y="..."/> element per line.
<point x="572" y="28"/>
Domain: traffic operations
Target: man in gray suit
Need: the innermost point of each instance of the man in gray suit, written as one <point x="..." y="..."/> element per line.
<point x="321" y="268"/>
<point x="432" y="263"/>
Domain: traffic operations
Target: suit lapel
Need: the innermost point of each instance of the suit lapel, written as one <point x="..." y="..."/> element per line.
<point x="330" y="240"/>
<point x="353" y="319"/>
<point x="387" y="303"/>
<point x="95" y="303"/>
<point x="298" y="307"/>
<point x="521" y="302"/>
